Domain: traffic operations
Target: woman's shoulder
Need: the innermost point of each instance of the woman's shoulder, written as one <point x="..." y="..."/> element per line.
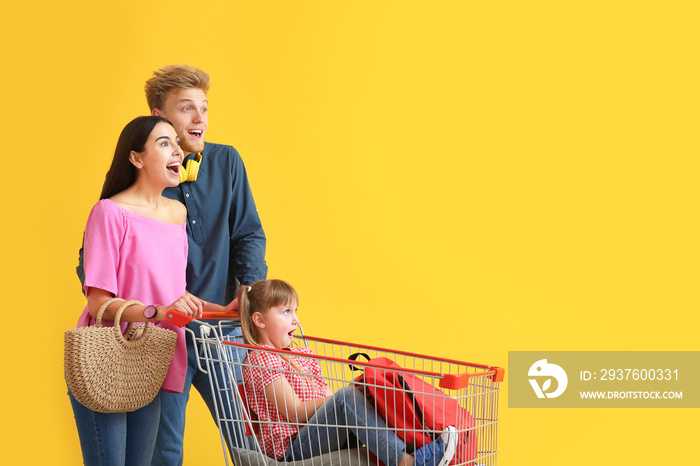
<point x="170" y="210"/>
<point x="106" y="208"/>
<point x="177" y="209"/>
<point x="105" y="217"/>
<point x="106" y="204"/>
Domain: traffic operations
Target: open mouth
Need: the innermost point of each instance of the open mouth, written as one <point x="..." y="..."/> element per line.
<point x="196" y="133"/>
<point x="174" y="167"/>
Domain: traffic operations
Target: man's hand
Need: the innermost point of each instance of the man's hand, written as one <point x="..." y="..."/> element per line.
<point x="232" y="306"/>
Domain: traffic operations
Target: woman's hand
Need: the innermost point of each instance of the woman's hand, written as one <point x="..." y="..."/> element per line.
<point x="188" y="304"/>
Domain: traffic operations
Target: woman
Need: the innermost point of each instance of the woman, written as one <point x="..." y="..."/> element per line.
<point x="136" y="248"/>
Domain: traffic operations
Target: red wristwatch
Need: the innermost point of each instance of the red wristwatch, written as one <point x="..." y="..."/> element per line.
<point x="150" y="313"/>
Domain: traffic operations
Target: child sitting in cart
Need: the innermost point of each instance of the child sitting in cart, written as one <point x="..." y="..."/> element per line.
<point x="299" y="416"/>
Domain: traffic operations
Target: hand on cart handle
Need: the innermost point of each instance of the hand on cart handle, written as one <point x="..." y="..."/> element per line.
<point x="180" y="319"/>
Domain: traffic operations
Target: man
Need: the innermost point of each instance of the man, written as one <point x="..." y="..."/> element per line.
<point x="226" y="238"/>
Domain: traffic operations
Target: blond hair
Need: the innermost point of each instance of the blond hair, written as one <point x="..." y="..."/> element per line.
<point x="172" y="78"/>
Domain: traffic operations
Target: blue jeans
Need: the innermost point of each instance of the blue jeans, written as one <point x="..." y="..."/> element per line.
<point x="348" y="411"/>
<point x="169" y="445"/>
<point x="117" y="439"/>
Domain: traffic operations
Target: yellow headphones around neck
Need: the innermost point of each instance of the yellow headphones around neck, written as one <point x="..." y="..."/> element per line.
<point x="188" y="172"/>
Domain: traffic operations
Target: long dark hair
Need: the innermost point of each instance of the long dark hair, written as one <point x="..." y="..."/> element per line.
<point x="122" y="173"/>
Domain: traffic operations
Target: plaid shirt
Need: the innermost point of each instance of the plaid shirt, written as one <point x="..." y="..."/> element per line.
<point x="260" y="370"/>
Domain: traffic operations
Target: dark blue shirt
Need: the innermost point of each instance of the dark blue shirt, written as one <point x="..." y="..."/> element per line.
<point x="226" y="238"/>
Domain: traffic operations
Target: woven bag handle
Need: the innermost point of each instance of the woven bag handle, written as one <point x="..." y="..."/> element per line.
<point x="118" y="316"/>
<point x="104" y="307"/>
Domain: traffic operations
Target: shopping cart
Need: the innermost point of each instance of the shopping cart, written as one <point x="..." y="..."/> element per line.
<point x="472" y="388"/>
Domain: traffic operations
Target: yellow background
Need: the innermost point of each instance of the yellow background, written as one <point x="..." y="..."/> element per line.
<point x="459" y="178"/>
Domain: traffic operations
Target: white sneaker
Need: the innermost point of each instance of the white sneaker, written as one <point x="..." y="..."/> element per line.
<point x="439" y="452"/>
<point x="449" y="445"/>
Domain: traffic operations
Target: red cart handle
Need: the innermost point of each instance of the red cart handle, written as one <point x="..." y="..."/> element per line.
<point x="180" y="319"/>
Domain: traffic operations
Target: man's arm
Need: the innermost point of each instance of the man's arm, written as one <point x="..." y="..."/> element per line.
<point x="80" y="269"/>
<point x="247" y="249"/>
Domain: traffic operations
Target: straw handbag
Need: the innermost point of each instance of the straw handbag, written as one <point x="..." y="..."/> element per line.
<point x="110" y="374"/>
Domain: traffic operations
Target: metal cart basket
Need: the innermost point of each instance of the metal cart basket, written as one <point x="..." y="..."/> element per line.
<point x="472" y="388"/>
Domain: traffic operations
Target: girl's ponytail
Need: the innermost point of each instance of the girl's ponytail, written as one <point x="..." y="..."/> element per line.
<point x="247" y="326"/>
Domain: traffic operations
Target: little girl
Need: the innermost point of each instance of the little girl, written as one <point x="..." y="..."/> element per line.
<point x="299" y="416"/>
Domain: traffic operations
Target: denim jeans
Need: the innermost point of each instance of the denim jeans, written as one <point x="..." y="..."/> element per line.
<point x="117" y="439"/>
<point x="169" y="449"/>
<point x="348" y="411"/>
